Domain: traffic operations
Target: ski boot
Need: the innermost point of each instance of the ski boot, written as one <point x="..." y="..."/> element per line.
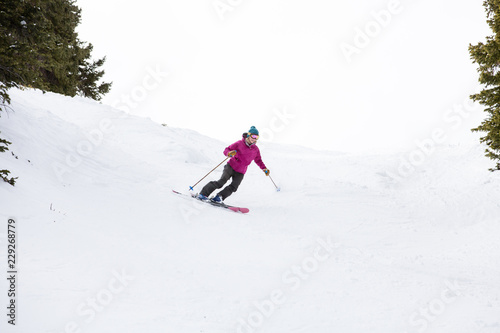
<point x="217" y="199"/>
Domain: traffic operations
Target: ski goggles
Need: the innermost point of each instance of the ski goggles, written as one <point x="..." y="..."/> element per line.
<point x="253" y="136"/>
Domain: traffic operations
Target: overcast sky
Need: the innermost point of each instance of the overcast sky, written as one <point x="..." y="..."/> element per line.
<point x="343" y="75"/>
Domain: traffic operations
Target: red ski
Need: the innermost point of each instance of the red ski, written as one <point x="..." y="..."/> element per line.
<point x="221" y="205"/>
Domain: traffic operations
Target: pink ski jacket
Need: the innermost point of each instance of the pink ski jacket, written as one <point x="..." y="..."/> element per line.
<point x="244" y="156"/>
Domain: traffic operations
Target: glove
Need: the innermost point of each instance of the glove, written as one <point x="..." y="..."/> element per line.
<point x="231" y="153"/>
<point x="266" y="171"/>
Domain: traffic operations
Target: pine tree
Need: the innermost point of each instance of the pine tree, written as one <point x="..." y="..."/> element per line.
<point x="39" y="48"/>
<point x="4" y="146"/>
<point x="487" y="56"/>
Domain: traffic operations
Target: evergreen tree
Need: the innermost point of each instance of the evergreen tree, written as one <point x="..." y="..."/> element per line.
<point x="487" y="56"/>
<point x="39" y="48"/>
<point x="5" y="173"/>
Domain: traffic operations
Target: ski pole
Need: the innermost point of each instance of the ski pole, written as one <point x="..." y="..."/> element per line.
<point x="277" y="188"/>
<point x="192" y="187"/>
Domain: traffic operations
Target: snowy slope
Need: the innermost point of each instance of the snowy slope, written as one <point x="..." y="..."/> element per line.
<point x="350" y="244"/>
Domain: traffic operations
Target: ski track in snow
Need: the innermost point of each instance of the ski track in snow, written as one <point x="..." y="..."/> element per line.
<point x="104" y="245"/>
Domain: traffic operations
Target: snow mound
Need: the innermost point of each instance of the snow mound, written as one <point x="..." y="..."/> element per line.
<point x="350" y="244"/>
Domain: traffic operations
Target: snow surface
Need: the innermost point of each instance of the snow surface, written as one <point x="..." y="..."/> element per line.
<point x="350" y="244"/>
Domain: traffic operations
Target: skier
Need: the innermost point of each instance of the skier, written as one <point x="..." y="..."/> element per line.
<point x="241" y="154"/>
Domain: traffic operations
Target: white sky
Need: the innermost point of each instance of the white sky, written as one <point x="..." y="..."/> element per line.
<point x="280" y="65"/>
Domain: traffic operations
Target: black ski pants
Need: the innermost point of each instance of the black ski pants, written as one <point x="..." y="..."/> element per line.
<point x="228" y="190"/>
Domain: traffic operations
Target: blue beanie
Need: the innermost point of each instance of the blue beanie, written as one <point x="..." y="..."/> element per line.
<point x="253" y="130"/>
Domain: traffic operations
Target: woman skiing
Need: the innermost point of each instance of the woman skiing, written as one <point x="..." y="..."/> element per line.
<point x="241" y="154"/>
